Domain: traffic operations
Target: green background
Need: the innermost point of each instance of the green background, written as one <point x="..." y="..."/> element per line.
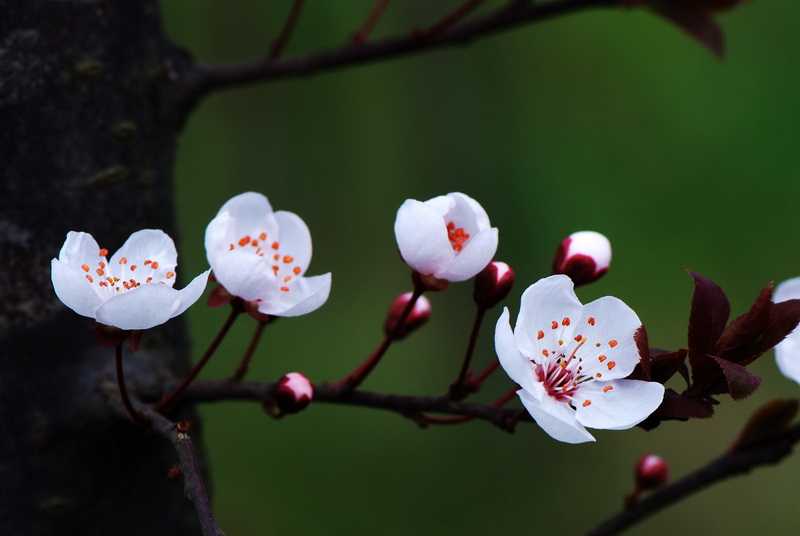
<point x="607" y="120"/>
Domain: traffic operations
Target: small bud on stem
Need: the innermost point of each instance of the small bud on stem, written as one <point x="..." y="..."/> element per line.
<point x="650" y="472"/>
<point x="583" y="256"/>
<point x="292" y="394"/>
<point x="419" y="314"/>
<point x="493" y="284"/>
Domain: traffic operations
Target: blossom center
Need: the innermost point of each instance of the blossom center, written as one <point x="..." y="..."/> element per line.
<point x="458" y="236"/>
<point x="127" y="274"/>
<point x="283" y="267"/>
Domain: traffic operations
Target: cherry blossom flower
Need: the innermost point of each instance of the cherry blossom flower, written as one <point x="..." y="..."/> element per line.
<point x="448" y="237"/>
<point x="133" y="290"/>
<point x="570" y="360"/>
<point x="261" y="256"/>
<point x="583" y="256"/>
<point x="787" y="352"/>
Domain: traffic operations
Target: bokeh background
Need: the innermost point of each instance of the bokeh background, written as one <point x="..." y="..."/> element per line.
<point x="607" y="120"/>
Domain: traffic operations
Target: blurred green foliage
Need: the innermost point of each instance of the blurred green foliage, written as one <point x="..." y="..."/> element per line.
<point x="609" y="120"/>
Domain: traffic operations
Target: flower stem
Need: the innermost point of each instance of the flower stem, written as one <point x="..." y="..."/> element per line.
<point x="355" y="378"/>
<point x="374" y="15"/>
<point x="169" y="399"/>
<point x="244" y="365"/>
<point x="462" y="387"/>
<point x="123" y="390"/>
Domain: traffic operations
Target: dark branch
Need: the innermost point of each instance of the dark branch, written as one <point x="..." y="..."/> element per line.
<point x="286" y="32"/>
<point x="204" y="79"/>
<point x="408" y="406"/>
<point x="735" y="463"/>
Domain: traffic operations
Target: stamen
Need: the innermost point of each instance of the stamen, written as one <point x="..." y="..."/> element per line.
<point x="613" y="343"/>
<point x="243" y="241"/>
<point x="85" y="267"/>
<point x="103" y="252"/>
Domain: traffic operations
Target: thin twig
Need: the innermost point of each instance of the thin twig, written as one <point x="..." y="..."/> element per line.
<point x="372" y="19"/>
<point x="406" y="405"/>
<point x="286" y="32"/>
<point x="166" y="403"/>
<point x="357" y="376"/>
<point x="204" y="79"/>
<point x="507" y="397"/>
<point x="460" y="388"/>
<point x="244" y="364"/>
<point x="452" y="18"/>
<point x="123" y="389"/>
<point x="735" y="463"/>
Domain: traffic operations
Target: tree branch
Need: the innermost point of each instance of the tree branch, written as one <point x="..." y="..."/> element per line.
<point x="734" y="463"/>
<point x="406" y="405"/>
<point x="205" y="79"/>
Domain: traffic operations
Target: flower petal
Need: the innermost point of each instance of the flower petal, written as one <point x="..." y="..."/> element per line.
<point x="617" y="405"/>
<point x="80" y="248"/>
<point x="142" y="308"/>
<point x="306" y="294"/>
<point x="607" y="330"/>
<point x="787" y="352"/>
<point x="478" y="252"/>
<point x="547" y="317"/>
<point x="518" y="367"/>
<point x="244" y="274"/>
<point x="295" y="240"/>
<point x="152" y="253"/>
<point x="248" y="208"/>
<point x="555" y="418"/>
<point x="422" y="237"/>
<point x="73" y="289"/>
<point x="191" y="293"/>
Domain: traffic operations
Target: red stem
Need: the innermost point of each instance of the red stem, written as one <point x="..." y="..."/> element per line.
<point x="452" y="18"/>
<point x="457" y="389"/>
<point x="488" y="371"/>
<point x="355" y="378"/>
<point x="372" y="19"/>
<point x="123" y="390"/>
<point x="244" y="365"/>
<point x="286" y="32"/>
<point x="168" y="400"/>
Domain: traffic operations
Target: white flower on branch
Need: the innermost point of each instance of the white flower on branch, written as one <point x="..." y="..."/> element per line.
<point x="570" y="360"/>
<point x="787" y="352"/>
<point x="261" y="256"/>
<point x="448" y="237"/>
<point x="133" y="290"/>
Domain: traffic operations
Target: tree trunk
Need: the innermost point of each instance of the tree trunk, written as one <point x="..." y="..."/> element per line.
<point x="81" y="148"/>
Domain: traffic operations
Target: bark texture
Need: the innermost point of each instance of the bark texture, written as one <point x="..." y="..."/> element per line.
<point x="81" y="148"/>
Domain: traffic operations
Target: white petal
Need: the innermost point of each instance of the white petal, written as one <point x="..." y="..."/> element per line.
<point x="142" y="308"/>
<point x="421" y="236"/>
<point x="78" y="249"/>
<point x="219" y="236"/>
<point x="152" y="245"/>
<point x="244" y="274"/>
<point x="477" y="253"/>
<point x="307" y="294"/>
<point x="295" y="239"/>
<point x="242" y="219"/>
<point x="787" y="352"/>
<point x="611" y="324"/>
<point x="555" y="418"/>
<point x="517" y="366"/>
<point x="788" y="290"/>
<point x="191" y="293"/>
<point x="547" y="317"/>
<point x="592" y="244"/>
<point x="469" y="211"/>
<point x="73" y="289"/>
<point x="248" y="206"/>
<point x="617" y="405"/>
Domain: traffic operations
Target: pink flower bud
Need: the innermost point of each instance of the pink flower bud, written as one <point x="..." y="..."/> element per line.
<point x="583" y="256"/>
<point x="651" y="472"/>
<point x="493" y="284"/>
<point x="417" y="317"/>
<point x="291" y="394"/>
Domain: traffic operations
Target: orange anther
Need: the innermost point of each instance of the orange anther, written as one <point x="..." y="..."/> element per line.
<point x="254" y="243"/>
<point x="85" y="267"/>
<point x="147" y="261"/>
<point x="89" y="278"/>
<point x="287" y="259"/>
<point x="611" y="365"/>
<point x="123" y="260"/>
<point x="587" y="403"/>
<point x="103" y="252"/>
<point x="601" y="358"/>
<point x="231" y="247"/>
<point x="598" y="375"/>
<point x="545" y="352"/>
<point x="554" y="324"/>
<point x="101" y="264"/>
<point x="133" y="267"/>
<point x="243" y="241"/>
<point x="262" y="236"/>
<point x="284" y="289"/>
<point x="276" y="245"/>
<point x="578" y="338"/>
<point x="540" y="335"/>
<point x="591" y="321"/>
<point x="608" y="388"/>
<point x="170" y="275"/>
<point x="100" y="272"/>
<point x="613" y="343"/>
<point x="565" y="321"/>
<point x="154" y="265"/>
<point x="296" y="270"/>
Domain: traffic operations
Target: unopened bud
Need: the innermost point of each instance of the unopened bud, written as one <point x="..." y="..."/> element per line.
<point x="651" y="472"/>
<point x="417" y="317"/>
<point x="583" y="256"/>
<point x="493" y="284"/>
<point x="291" y="394"/>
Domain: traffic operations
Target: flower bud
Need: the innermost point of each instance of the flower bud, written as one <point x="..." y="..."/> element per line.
<point x="417" y="317"/>
<point x="493" y="284"/>
<point x="651" y="472"/>
<point x="291" y="394"/>
<point x="583" y="256"/>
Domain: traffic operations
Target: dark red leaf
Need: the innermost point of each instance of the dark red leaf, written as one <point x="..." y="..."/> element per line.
<point x="643" y="346"/>
<point x="783" y="319"/>
<point x="740" y="339"/>
<point x="697" y="23"/>
<point x="678" y="407"/>
<point x="709" y="314"/>
<point x="769" y="421"/>
<point x="665" y="365"/>
<point x="740" y="382"/>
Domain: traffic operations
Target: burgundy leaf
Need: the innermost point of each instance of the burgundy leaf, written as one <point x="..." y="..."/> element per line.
<point x="665" y="365"/>
<point x="710" y="311"/>
<point x="783" y="319"/>
<point x="769" y="421"/>
<point x="741" y="383"/>
<point x="678" y="407"/>
<point x="643" y="346"/>
<point x="741" y="337"/>
<point x="697" y="23"/>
